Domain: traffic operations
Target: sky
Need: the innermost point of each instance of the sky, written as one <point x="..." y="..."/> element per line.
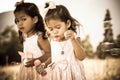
<point x="90" y="13"/>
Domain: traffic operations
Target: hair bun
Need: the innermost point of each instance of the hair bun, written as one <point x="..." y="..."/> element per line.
<point x="19" y="3"/>
<point x="46" y="5"/>
<point x="50" y="5"/>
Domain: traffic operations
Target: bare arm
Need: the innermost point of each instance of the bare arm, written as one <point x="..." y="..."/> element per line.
<point x="79" y="52"/>
<point x="46" y="57"/>
<point x="77" y="45"/>
<point x="45" y="46"/>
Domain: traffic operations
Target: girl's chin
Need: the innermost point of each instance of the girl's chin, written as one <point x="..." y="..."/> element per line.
<point x="58" y="39"/>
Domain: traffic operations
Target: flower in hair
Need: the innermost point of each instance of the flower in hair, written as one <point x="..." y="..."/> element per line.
<point x="49" y="5"/>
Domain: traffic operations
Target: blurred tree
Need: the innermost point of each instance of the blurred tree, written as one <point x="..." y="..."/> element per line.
<point x="88" y="47"/>
<point x="9" y="45"/>
<point x="117" y="41"/>
<point x="109" y="46"/>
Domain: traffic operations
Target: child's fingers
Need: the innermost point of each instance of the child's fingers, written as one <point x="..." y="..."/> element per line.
<point x="28" y="62"/>
<point x="37" y="62"/>
<point x="52" y="65"/>
<point x="69" y="34"/>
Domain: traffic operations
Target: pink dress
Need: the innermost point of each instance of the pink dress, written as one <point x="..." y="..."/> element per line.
<point x="66" y="66"/>
<point x="31" y="50"/>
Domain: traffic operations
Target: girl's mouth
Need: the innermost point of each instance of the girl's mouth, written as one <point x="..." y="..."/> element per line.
<point x="56" y="38"/>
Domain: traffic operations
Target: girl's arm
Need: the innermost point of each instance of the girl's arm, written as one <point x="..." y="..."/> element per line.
<point x="46" y="57"/>
<point x="77" y="45"/>
<point x="78" y="49"/>
<point x="45" y="46"/>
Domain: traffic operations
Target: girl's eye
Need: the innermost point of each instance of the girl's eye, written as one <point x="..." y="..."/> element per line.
<point x="50" y="29"/>
<point x="58" y="27"/>
<point x="23" y="19"/>
<point x="16" y="21"/>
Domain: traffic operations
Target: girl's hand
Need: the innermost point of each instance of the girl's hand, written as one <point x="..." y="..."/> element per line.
<point x="41" y="69"/>
<point x="51" y="65"/>
<point x="28" y="62"/>
<point x="69" y="34"/>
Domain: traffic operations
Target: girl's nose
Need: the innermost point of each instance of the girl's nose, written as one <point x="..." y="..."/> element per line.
<point x="19" y="23"/>
<point x="55" y="31"/>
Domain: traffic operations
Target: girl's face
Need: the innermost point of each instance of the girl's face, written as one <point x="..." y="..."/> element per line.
<point x="57" y="28"/>
<point x="24" y="22"/>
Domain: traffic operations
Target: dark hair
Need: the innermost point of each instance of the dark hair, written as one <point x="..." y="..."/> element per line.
<point x="62" y="13"/>
<point x="31" y="10"/>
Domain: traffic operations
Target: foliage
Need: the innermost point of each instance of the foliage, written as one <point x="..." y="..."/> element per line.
<point x="9" y="45"/>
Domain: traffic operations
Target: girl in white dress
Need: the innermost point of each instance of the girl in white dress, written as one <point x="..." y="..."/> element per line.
<point x="66" y="50"/>
<point x="32" y="36"/>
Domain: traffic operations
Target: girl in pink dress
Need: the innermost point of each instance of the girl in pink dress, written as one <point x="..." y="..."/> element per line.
<point x="32" y="36"/>
<point x="66" y="47"/>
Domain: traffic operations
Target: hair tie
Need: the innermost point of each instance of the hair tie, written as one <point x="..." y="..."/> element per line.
<point x="49" y="5"/>
<point x="18" y="3"/>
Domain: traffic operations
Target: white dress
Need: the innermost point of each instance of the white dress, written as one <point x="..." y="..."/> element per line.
<point x="66" y="66"/>
<point x="31" y="46"/>
<point x="31" y="50"/>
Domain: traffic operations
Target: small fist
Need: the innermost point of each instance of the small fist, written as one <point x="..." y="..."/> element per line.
<point x="28" y="62"/>
<point x="37" y="62"/>
<point x="69" y="34"/>
<point x="41" y="69"/>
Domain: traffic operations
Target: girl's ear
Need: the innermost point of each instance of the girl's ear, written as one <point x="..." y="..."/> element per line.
<point x="68" y="24"/>
<point x="35" y="19"/>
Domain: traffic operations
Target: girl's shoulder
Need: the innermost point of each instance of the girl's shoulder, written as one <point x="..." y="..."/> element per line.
<point x="41" y="39"/>
<point x="39" y="34"/>
<point x="43" y="43"/>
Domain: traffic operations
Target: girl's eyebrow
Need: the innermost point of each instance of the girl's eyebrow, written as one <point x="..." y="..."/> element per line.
<point x="20" y="17"/>
<point x="57" y="25"/>
<point x="49" y="27"/>
<point x="54" y="26"/>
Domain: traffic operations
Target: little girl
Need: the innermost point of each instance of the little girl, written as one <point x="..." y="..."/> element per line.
<point x="66" y="50"/>
<point x="32" y="36"/>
